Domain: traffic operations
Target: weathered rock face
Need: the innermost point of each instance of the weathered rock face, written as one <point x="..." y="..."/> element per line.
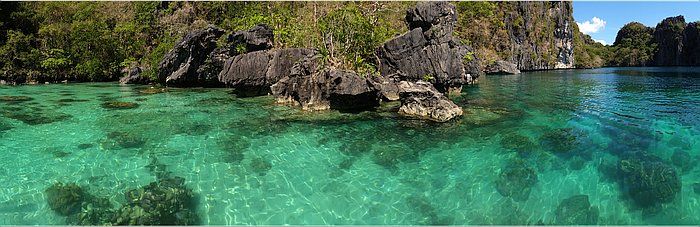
<point x="257" y="38"/>
<point x="421" y="99"/>
<point x="133" y="76"/>
<point x="388" y="86"/>
<point x="179" y="67"/>
<point x="669" y="37"/>
<point x="502" y="67"/>
<point x="531" y="53"/>
<point x="691" y="44"/>
<point x="325" y="89"/>
<point x="429" y="51"/>
<point x="253" y="73"/>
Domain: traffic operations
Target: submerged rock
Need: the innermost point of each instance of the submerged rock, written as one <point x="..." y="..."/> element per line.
<point x="516" y="179"/>
<point x="421" y="99"/>
<point x="66" y="199"/>
<point x="576" y="210"/>
<point x="502" y="67"/>
<point x="116" y="105"/>
<point x="252" y="74"/>
<point x="647" y="180"/>
<point x="179" y="66"/>
<point x="682" y="160"/>
<point x="15" y="99"/>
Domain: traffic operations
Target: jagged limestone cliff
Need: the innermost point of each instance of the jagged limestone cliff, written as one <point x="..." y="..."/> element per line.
<point x="533" y="35"/>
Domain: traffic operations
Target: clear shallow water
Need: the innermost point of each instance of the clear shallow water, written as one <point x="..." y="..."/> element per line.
<point x="252" y="162"/>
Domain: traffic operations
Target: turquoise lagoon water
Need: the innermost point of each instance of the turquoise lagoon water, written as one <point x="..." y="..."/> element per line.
<point x="251" y="162"/>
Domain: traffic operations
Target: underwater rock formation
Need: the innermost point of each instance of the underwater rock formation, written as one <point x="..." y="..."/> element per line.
<point x="421" y="99"/>
<point x="66" y="199"/>
<point x="116" y="105"/>
<point x="165" y="202"/>
<point x="648" y="181"/>
<point x="516" y="179"/>
<point x="576" y="210"/>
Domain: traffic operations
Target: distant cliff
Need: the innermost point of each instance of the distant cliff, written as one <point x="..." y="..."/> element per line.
<point x="673" y="42"/>
<point x="532" y="35"/>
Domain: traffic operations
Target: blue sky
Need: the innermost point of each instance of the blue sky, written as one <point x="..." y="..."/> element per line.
<point x="611" y="16"/>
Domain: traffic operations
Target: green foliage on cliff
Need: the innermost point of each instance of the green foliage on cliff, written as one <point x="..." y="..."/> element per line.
<point x="94" y="41"/>
<point x="634" y="46"/>
<point x="589" y="53"/>
<point x="506" y="31"/>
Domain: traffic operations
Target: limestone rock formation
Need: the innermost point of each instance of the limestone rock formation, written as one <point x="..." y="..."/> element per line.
<point x="179" y="66"/>
<point x="321" y="89"/>
<point x="502" y="67"/>
<point x="134" y="76"/>
<point x="253" y="73"/>
<point x="421" y="99"/>
<point x="669" y="37"/>
<point x="257" y="38"/>
<point x="429" y="51"/>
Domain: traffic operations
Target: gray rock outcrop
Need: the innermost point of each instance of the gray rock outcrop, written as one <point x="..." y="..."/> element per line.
<point x="669" y="38"/>
<point x="317" y="89"/>
<point x="253" y="73"/>
<point x="257" y="38"/>
<point x="502" y="67"/>
<point x="134" y="76"/>
<point x="420" y="99"/>
<point x="429" y="51"/>
<point x="179" y="66"/>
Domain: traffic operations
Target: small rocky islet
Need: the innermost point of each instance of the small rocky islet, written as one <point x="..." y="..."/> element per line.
<point x="297" y="77"/>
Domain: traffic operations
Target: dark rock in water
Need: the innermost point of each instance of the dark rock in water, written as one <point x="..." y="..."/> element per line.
<point x="421" y="99"/>
<point x="260" y="165"/>
<point x="257" y="38"/>
<point x="84" y="146"/>
<point x="516" y="179"/>
<point x="165" y="202"/>
<point x="389" y="157"/>
<point x="34" y="115"/>
<point x="502" y="67"/>
<point x="682" y="160"/>
<point x="576" y="210"/>
<point x="669" y="38"/>
<point x="560" y="141"/>
<point x="325" y="89"/>
<point x="134" y="76"/>
<point x="647" y="180"/>
<point x="125" y="140"/>
<point x="116" y="105"/>
<point x="179" y="66"/>
<point x="4" y="126"/>
<point x="253" y="73"/>
<point x="696" y="188"/>
<point x="66" y="199"/>
<point x="15" y="99"/>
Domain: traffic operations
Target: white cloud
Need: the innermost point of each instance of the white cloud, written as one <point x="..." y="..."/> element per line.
<point x="601" y="41"/>
<point x="592" y="26"/>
